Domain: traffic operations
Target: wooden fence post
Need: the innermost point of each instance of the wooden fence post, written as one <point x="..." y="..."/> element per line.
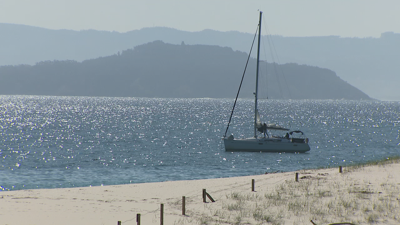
<point x="138" y="218"/>
<point x="340" y="169"/>
<point x="183" y="205"/>
<point x="252" y="184"/>
<point x="297" y="177"/>
<point x="209" y="196"/>
<point x="162" y="214"/>
<point x="205" y="195"/>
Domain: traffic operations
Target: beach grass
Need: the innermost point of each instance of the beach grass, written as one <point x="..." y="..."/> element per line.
<point x="314" y="198"/>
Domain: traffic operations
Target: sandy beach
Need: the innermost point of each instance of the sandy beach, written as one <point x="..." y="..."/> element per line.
<point x="361" y="195"/>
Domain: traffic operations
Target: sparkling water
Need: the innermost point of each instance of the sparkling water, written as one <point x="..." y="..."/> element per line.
<point x="56" y="142"/>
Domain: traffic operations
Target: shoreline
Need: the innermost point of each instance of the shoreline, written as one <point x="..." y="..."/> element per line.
<point x="384" y="160"/>
<point x="361" y="194"/>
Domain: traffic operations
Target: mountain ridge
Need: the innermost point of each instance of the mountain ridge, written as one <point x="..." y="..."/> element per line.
<point x="159" y="69"/>
<point x="370" y="64"/>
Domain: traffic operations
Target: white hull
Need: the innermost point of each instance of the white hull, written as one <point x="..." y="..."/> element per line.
<point x="265" y="145"/>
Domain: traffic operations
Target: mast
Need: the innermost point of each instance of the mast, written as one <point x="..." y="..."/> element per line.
<point x="256" y="93"/>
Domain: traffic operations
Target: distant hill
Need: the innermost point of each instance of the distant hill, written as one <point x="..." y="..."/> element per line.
<point x="158" y="69"/>
<point x="370" y="64"/>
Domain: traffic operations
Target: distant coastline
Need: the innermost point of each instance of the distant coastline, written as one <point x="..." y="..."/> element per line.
<point x="369" y="64"/>
<point x="158" y="69"/>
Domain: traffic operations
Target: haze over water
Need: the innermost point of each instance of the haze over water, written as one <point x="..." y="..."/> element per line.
<point x="53" y="142"/>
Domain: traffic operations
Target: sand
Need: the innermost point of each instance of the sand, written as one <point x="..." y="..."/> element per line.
<point x="364" y="195"/>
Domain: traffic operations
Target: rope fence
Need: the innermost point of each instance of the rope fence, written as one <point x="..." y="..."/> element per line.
<point x="205" y="195"/>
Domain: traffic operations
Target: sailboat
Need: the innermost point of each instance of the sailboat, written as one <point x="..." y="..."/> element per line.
<point x="266" y="142"/>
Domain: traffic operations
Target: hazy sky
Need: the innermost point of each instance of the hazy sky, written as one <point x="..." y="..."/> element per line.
<point x="346" y="18"/>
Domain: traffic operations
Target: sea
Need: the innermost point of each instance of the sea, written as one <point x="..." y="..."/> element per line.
<point x="62" y="142"/>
